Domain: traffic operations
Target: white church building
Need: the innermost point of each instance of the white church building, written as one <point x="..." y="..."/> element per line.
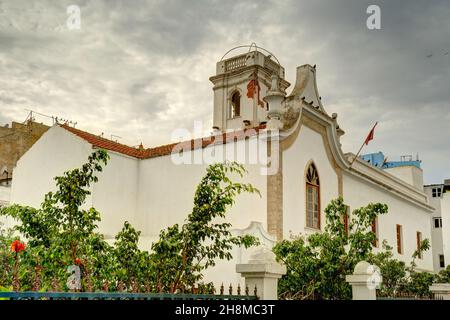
<point x="288" y="143"/>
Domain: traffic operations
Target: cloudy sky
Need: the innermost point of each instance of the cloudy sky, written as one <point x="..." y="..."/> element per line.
<point x="139" y="69"/>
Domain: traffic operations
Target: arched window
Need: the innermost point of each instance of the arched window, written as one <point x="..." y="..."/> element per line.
<point x="235" y="105"/>
<point x="312" y="198"/>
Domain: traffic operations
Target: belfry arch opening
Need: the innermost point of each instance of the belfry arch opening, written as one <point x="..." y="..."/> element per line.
<point x="235" y="107"/>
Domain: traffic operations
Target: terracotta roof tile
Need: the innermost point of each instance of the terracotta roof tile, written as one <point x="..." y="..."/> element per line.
<point x="163" y="150"/>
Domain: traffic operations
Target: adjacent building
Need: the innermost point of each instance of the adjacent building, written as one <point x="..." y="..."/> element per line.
<point x="409" y="170"/>
<point x="15" y="140"/>
<point x="439" y="195"/>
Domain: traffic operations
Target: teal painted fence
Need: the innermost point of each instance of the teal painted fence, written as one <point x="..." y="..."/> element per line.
<point x="34" y="295"/>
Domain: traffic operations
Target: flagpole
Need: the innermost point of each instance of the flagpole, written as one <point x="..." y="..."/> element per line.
<point x="362" y="146"/>
<point x="357" y="153"/>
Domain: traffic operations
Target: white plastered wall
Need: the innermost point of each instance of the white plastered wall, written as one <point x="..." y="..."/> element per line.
<point x="115" y="194"/>
<point x="166" y="196"/>
<point x="57" y="151"/>
<point x="436" y="233"/>
<point x="359" y="193"/>
<point x="54" y="153"/>
<point x="166" y="193"/>
<point x="410" y="174"/>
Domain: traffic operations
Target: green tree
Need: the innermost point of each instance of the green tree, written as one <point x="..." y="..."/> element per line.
<point x="398" y="278"/>
<point x="99" y="265"/>
<point x="6" y="256"/>
<point x="134" y="268"/>
<point x="418" y="283"/>
<point x="59" y="230"/>
<point x="182" y="253"/>
<point x="61" y="233"/>
<point x="392" y="270"/>
<point x="443" y="276"/>
<point x="317" y="264"/>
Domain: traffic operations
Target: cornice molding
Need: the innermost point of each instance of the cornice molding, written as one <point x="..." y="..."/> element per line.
<point x="359" y="168"/>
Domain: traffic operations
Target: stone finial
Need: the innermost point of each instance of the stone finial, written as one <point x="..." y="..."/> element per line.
<point x="365" y="279"/>
<point x="274" y="99"/>
<point x="262" y="272"/>
<point x="274" y="96"/>
<point x="274" y="85"/>
<point x="362" y="267"/>
<point x="262" y="254"/>
<point x="441" y="291"/>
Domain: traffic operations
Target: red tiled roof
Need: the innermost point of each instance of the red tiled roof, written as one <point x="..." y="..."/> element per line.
<point x="103" y="143"/>
<point x="163" y="150"/>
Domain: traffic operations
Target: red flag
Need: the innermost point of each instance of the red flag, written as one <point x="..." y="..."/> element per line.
<point x="368" y="139"/>
<point x="370" y="136"/>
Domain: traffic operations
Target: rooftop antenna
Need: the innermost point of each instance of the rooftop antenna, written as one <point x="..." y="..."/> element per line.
<point x="29" y="116"/>
<point x="54" y="118"/>
<point x="406" y="157"/>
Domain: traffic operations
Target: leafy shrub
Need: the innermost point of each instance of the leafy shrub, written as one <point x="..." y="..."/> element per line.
<point x="317" y="264"/>
<point x="62" y="233"/>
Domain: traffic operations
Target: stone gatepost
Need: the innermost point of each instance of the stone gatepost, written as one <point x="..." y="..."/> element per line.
<point x="441" y="291"/>
<point x="365" y="279"/>
<point x="262" y="272"/>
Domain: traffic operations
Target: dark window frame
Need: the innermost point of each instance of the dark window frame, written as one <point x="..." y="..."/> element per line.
<point x="235" y="106"/>
<point x="418" y="241"/>
<point x="374" y="227"/>
<point x="313" y="197"/>
<point x="438" y="221"/>
<point x="399" y="234"/>
<point x="441" y="261"/>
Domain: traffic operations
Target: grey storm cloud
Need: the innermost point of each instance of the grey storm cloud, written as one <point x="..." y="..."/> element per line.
<point x="139" y="69"/>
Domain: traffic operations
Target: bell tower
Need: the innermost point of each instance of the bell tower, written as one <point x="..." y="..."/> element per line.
<point x="240" y="84"/>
